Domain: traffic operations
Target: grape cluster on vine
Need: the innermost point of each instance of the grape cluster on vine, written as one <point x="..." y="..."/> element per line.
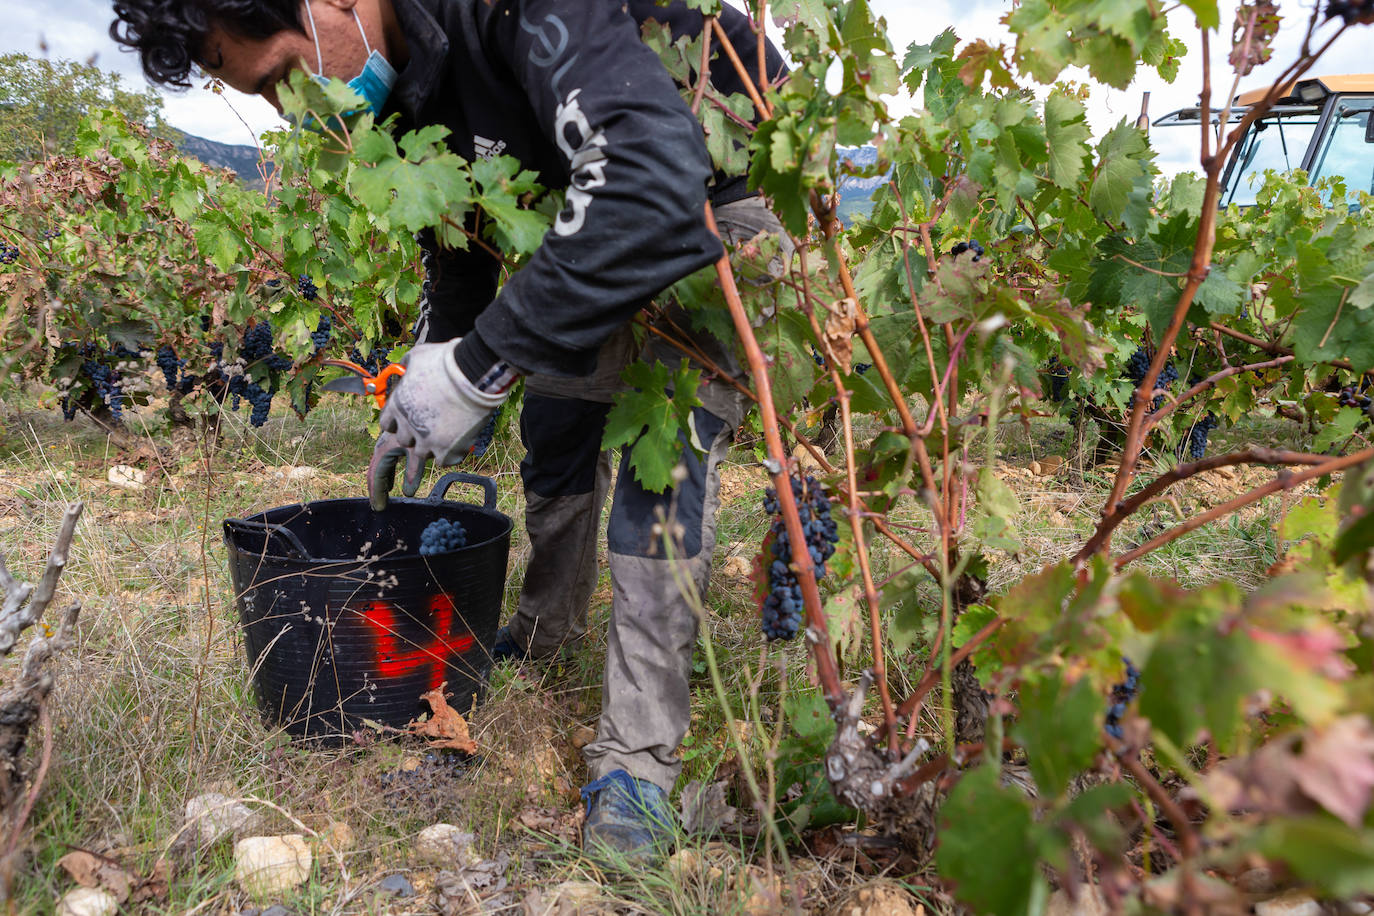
<point x="441" y="536"/>
<point x="1197" y="436"/>
<point x="170" y="365"/>
<point x="309" y="292"/>
<point x="257" y="345"/>
<point x="1352" y="11"/>
<point x="1122" y="695"/>
<point x="373" y="362"/>
<point x="323" y="331"/>
<point x="1139" y="364"/>
<point x="8" y="253"/>
<point x="105" y="382"/>
<point x="970" y="245"/>
<point x="50" y="234"/>
<point x="782" y="609"/>
<point x="1352" y="397"/>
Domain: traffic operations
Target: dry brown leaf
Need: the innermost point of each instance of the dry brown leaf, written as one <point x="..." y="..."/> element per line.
<point x="154" y="887"/>
<point x="1336" y="768"/>
<point x="839" y="333"/>
<point x="91" y="870"/>
<point x="445" y="727"/>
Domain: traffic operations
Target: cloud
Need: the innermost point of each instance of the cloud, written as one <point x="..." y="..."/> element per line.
<point x="79" y="30"/>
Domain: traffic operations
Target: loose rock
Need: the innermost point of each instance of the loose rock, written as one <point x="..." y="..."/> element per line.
<point x="217" y="816"/>
<point x="737" y="568"/>
<point x="583" y="736"/>
<point x="121" y="475"/>
<point x="881" y="898"/>
<point x="339" y="836"/>
<point x="397" y="885"/>
<point x="88" y="901"/>
<point x="1089" y="903"/>
<point x="266" y="866"/>
<point x="1293" y="903"/>
<point x="445" y="846"/>
<point x="1256" y="881"/>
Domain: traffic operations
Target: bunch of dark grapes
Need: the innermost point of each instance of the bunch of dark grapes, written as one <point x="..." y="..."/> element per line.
<point x="1197" y="436"/>
<point x="1350" y="397"/>
<point x="859" y="368"/>
<point x="1122" y="695"/>
<point x="320" y="336"/>
<point x="50" y="234"/>
<point x="441" y="536"/>
<point x="1352" y="11"/>
<point x="68" y="409"/>
<point x="261" y="401"/>
<point x="970" y="245"/>
<point x="307" y="288"/>
<point x="782" y="608"/>
<point x="1139" y="364"/>
<point x="8" y="253"/>
<point x="169" y="364"/>
<point x="373" y="362"/>
<point x="105" y="381"/>
<point x="257" y="342"/>
<point x="1059" y="380"/>
<point x="484" y="437"/>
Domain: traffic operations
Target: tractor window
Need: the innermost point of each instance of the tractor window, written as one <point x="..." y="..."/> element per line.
<point x="1344" y="151"/>
<point x="1277" y="142"/>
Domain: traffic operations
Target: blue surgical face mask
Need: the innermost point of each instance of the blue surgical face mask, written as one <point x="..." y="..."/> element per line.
<point x="373" y="83"/>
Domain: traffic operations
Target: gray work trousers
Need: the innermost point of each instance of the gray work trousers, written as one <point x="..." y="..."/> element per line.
<point x="652" y="632"/>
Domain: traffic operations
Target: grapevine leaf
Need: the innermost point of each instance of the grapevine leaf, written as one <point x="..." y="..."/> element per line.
<point x="989" y="845"/>
<point x="1066" y="128"/>
<point x="1124" y="157"/>
<point x="653" y="416"/>
<point x="996" y="525"/>
<point x="502" y="183"/>
<point x="1058" y="727"/>
<point x="1340" y="428"/>
<point x="1207" y="12"/>
<point x="1318" y="848"/>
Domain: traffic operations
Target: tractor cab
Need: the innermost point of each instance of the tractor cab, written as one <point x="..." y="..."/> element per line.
<point x="1320" y="125"/>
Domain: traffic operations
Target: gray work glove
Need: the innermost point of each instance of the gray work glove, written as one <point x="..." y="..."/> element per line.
<point x="433" y="411"/>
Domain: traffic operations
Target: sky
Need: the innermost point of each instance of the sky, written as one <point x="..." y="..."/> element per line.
<point x="78" y="29"/>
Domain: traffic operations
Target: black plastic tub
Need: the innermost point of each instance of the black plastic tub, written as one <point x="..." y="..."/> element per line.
<point x="345" y="622"/>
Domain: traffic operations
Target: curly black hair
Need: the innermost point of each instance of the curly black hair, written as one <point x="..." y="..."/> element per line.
<point x="169" y="35"/>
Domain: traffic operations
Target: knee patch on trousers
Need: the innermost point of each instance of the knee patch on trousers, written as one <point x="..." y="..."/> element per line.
<point x="636" y="510"/>
<point x="562" y="438"/>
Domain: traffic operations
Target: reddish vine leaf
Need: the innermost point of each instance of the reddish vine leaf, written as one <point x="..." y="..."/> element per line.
<point x="445" y="727"/>
<point x="1336" y="768"/>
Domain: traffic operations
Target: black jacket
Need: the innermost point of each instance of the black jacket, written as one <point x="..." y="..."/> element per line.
<point x="568" y="88"/>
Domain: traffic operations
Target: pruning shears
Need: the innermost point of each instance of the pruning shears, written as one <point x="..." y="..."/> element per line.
<point x="364" y="382"/>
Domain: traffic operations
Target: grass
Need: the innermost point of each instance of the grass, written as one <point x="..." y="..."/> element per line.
<point x="155" y="704"/>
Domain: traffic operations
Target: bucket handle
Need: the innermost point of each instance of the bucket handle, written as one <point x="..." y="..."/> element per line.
<point x="486" y="483"/>
<point x="270" y="530"/>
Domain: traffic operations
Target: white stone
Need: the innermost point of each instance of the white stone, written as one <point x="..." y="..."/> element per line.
<point x="445" y="846"/>
<point x="302" y="472"/>
<point x="88" y="901"/>
<point x="1089" y="903"/>
<point x="121" y="475"/>
<point x="338" y="836"/>
<point x="268" y="866"/>
<point x="1293" y="903"/>
<point x="217" y="816"/>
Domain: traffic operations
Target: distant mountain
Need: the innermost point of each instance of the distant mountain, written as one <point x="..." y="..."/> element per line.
<point x="242" y="160"/>
<point x="856" y="191"/>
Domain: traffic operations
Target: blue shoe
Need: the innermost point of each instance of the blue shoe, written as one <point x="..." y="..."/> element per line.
<point x="629" y="821"/>
<point x="505" y="648"/>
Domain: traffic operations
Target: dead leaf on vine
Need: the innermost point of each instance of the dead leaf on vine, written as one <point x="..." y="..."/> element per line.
<point x="91" y="870"/>
<point x="1336" y="768"/>
<point x="839" y="333"/>
<point x="445" y="727"/>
